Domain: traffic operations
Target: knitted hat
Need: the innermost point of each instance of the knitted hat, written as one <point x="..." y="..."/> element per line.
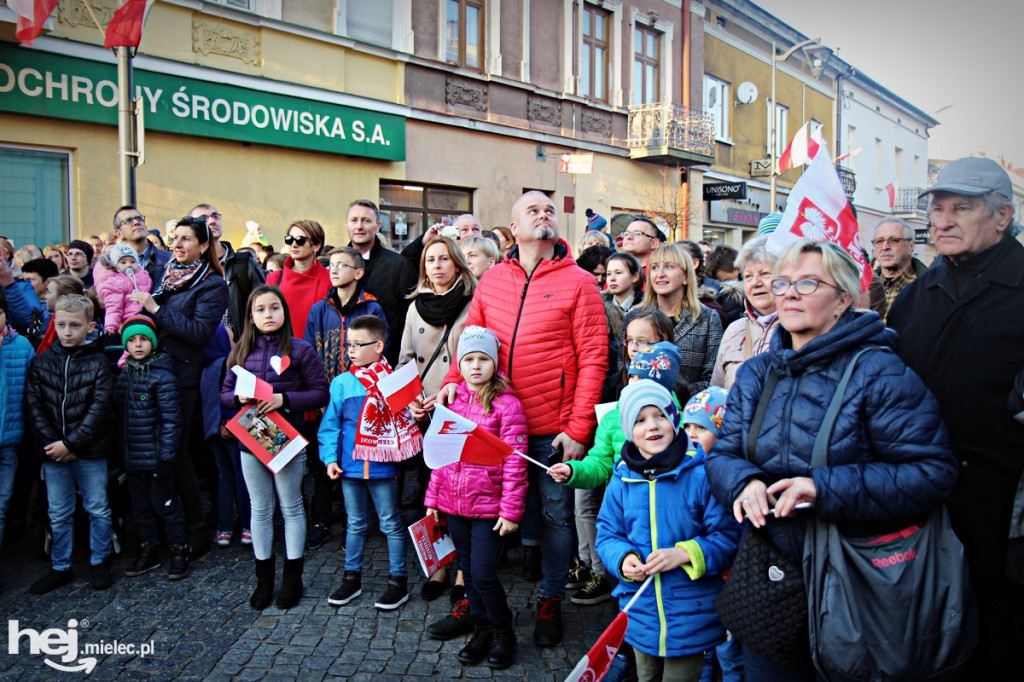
<point x="659" y="362"/>
<point x="119" y="251"/>
<point x="44" y="267"/>
<point x="476" y="339"/>
<point x="139" y="324"/>
<point x="84" y="247"/>
<point x="639" y="395"/>
<point x="595" y="221"/>
<point x="707" y="409"/>
<point x="769" y="223"/>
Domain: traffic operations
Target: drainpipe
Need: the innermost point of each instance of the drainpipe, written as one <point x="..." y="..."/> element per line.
<point x="684" y="188"/>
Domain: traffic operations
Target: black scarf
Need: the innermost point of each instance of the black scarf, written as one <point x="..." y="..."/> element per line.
<point x="441" y="310"/>
<point x="660" y="463"/>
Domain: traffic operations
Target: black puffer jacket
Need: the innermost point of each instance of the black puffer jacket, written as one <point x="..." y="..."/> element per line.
<point x="148" y="403"/>
<point x="70" y="392"/>
<point x="185" y="322"/>
<point x="390" y="277"/>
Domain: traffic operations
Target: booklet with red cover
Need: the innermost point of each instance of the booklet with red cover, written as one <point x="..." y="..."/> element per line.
<point x="270" y="437"/>
<point x="434" y="546"/>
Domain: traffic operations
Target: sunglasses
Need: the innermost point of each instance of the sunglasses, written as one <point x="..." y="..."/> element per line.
<point x="298" y="241"/>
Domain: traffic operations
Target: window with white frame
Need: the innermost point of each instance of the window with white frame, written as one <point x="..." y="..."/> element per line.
<point x="463" y="33"/>
<point x="35" y="203"/>
<point x="717" y="104"/>
<point x="781" y="128"/>
<point x="368" y="21"/>
<point x="816" y="129"/>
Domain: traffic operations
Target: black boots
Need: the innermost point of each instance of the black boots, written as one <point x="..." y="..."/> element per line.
<point x="264" y="592"/>
<point x="178" y="567"/>
<point x="479" y="646"/>
<point x="291" y="584"/>
<point x="503" y="646"/>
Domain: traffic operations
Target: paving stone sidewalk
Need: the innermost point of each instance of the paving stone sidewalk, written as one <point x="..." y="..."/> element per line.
<point x="202" y="628"/>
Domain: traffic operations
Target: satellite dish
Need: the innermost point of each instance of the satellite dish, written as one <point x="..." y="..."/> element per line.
<point x="746" y="93"/>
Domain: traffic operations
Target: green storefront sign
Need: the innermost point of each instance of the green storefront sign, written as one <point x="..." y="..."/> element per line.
<point x="44" y="84"/>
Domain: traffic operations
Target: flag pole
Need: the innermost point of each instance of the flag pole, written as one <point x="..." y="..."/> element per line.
<point x="125" y="126"/>
<point x="636" y="596"/>
<point x="531" y="459"/>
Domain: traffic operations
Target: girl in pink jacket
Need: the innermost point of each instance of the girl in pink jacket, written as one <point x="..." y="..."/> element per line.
<point x="484" y="503"/>
<point x="117" y="274"/>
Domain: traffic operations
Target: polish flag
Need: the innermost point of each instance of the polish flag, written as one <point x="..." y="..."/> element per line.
<point x="890" y="189"/>
<point x="453" y="438"/>
<point x="248" y="385"/>
<point x="801" y="149"/>
<point x="125" y="27"/>
<point x="401" y="386"/>
<point x="818" y="210"/>
<point x="595" y="663"/>
<point x="32" y="14"/>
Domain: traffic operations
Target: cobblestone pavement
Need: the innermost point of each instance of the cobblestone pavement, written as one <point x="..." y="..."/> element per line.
<point x="202" y="628"/>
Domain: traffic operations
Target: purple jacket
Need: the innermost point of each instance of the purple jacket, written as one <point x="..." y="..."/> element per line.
<point x="476" y="491"/>
<point x="303" y="383"/>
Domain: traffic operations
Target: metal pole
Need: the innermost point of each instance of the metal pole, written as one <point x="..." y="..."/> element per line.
<point x="125" y="126"/>
<point x="771" y="117"/>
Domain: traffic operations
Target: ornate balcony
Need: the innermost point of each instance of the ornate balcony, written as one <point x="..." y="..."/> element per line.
<point x="848" y="179"/>
<point x="908" y="204"/>
<point x="669" y="134"/>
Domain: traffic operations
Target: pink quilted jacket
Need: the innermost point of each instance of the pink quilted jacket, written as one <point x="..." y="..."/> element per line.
<point x="476" y="491"/>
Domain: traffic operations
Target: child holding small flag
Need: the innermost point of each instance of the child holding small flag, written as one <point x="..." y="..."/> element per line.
<point x="362" y="441"/>
<point x="659" y="518"/>
<point x="483" y="502"/>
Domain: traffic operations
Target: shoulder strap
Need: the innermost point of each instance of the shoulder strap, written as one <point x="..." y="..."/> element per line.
<point x="762" y="404"/>
<point x="819" y="455"/>
<point x="444" y="339"/>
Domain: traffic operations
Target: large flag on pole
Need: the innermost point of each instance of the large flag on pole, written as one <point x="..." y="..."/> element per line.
<point x="817" y="209"/>
<point x="401" y="386"/>
<point x="32" y="14"/>
<point x="453" y="438"/>
<point x="125" y="27"/>
<point x="802" y="148"/>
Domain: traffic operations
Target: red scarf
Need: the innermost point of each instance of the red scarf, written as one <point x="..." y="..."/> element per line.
<point x="383" y="436"/>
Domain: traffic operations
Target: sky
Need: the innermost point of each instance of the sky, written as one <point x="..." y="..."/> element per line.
<point x="966" y="57"/>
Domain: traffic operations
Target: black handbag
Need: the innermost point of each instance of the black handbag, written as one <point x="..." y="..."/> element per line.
<point x="764" y="601"/>
<point x="894" y="607"/>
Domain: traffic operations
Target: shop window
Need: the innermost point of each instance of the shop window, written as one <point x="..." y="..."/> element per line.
<point x="34" y="196"/>
<point x="646" y="65"/>
<point x="407" y="210"/>
<point x="464" y="33"/>
<point x="716" y="103"/>
<point x="594" y="59"/>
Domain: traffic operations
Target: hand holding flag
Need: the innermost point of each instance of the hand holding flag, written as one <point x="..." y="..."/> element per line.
<point x="248" y="385"/>
<point x="453" y="438"/>
<point x="401" y="386"/>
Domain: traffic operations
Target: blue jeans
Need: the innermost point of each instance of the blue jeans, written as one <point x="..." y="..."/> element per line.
<point x="384" y="492"/>
<point x="91" y="476"/>
<point x="263" y="483"/>
<point x="549" y="520"/>
<point x="8" y="465"/>
<point x="231" y="488"/>
<point x="479" y="551"/>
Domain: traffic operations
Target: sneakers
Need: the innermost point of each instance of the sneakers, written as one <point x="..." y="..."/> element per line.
<point x="432" y="589"/>
<point x="579" y="575"/>
<point x="548" y="630"/>
<point x="246" y="536"/>
<point x="597" y="590"/>
<point x="51" y="581"/>
<point x="455" y="624"/>
<point x="531" y="563"/>
<point x="396" y="594"/>
<point x="351" y="587"/>
<point x="148" y="560"/>
<point x="178" y="568"/>
<point x="223" y="538"/>
<point x="318" y="535"/>
<point x="99" y="575"/>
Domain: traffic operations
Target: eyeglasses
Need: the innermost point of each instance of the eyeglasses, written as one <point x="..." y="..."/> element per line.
<point x="804" y="287"/>
<point x="895" y="241"/>
<point x="353" y="346"/>
<point x="337" y="267"/>
<point x="637" y="233"/>
<point x="131" y="219"/>
<point x="215" y="216"/>
<point x="298" y="241"/>
<point x="638" y="343"/>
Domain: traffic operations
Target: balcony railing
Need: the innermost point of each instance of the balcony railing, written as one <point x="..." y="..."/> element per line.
<point x="667" y="132"/>
<point x="908" y="203"/>
<point x="848" y="179"/>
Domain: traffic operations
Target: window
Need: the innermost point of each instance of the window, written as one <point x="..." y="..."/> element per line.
<point x="815" y="129"/>
<point x="781" y="128"/>
<point x="594" y="58"/>
<point x="264" y="8"/>
<point x="646" y="65"/>
<point x="369" y="21"/>
<point x="716" y="103"/>
<point x="851" y="144"/>
<point x="407" y="210"/>
<point x="34" y="196"/>
<point x="898" y="173"/>
<point x="464" y="33"/>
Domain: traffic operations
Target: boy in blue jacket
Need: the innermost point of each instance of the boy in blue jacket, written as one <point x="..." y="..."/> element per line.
<point x="659" y="518"/>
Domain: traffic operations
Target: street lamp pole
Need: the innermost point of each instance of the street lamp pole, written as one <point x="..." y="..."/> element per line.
<point x="772" y="115"/>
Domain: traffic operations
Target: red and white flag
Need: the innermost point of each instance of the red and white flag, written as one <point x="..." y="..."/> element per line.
<point x="453" y="438"/>
<point x="802" y="148"/>
<point x="890" y="189"/>
<point x="32" y="14"/>
<point x="594" y="664"/>
<point x="401" y="386"/>
<point x="818" y="210"/>
<point x="125" y="27"/>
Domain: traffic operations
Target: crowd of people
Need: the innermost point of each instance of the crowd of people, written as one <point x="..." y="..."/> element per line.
<point x="667" y="394"/>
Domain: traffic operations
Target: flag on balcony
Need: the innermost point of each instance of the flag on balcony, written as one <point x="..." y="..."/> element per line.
<point x="891" y="191"/>
<point x="32" y="14"/>
<point x="817" y="209"/>
<point x="125" y="27"/>
<point x="801" y="149"/>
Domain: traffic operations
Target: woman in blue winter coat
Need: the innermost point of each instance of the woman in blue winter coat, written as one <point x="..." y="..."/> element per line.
<point x="889" y="461"/>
